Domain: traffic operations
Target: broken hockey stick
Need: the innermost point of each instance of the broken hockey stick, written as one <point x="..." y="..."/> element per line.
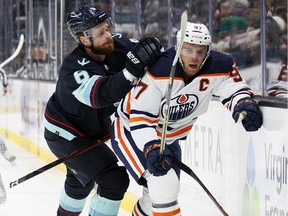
<point x="184" y="19"/>
<point x="190" y="172"/>
<point x="57" y="162"/>
<point x="16" y="52"/>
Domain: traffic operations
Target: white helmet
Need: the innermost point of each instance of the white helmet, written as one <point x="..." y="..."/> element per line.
<point x="196" y="33"/>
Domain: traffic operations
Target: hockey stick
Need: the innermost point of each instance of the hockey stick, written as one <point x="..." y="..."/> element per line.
<point x="16" y="52"/>
<point x="57" y="162"/>
<point x="184" y="19"/>
<point x="242" y="115"/>
<point x="181" y="165"/>
<point x="190" y="172"/>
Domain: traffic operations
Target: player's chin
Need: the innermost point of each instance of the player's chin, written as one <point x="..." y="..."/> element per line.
<point x="110" y="47"/>
<point x="191" y="71"/>
<point x="107" y="49"/>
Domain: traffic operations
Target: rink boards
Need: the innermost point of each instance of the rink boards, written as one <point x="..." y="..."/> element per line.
<point x="246" y="172"/>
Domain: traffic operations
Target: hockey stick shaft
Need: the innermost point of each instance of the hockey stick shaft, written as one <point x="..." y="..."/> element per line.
<point x="4" y="77"/>
<point x="56" y="162"/>
<point x="242" y="115"/>
<point x="190" y="172"/>
<point x="16" y="52"/>
<point x="184" y="19"/>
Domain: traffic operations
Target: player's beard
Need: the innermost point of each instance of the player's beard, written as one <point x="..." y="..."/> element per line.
<point x="104" y="49"/>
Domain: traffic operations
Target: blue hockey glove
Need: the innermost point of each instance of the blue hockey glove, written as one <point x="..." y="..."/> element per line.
<point x="143" y="54"/>
<point x="253" y="118"/>
<point x="154" y="165"/>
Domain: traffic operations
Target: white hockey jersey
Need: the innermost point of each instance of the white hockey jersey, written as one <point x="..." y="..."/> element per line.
<point x="279" y="86"/>
<point x="141" y="111"/>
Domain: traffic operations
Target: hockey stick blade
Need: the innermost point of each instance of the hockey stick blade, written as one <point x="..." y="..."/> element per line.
<point x="57" y="162"/>
<point x="190" y="172"/>
<point x="16" y="52"/>
<point x="184" y="20"/>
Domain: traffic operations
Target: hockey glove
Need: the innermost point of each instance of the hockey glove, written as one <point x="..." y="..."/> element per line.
<point x="143" y="54"/>
<point x="253" y="118"/>
<point x="154" y="165"/>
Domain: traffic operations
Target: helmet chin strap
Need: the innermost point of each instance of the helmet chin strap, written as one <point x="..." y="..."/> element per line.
<point x="181" y="63"/>
<point x="94" y="50"/>
<point x="91" y="47"/>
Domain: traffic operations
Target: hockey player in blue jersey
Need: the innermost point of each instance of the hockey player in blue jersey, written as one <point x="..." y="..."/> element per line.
<point x="137" y="124"/>
<point x="91" y="82"/>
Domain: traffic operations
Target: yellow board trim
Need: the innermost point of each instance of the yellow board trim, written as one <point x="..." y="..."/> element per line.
<point x="127" y="203"/>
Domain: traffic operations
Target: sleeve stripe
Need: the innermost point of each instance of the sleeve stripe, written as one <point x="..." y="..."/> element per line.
<point x="143" y="113"/>
<point x="83" y="92"/>
<point x="93" y="92"/>
<point x="141" y="119"/>
<point x="61" y="123"/>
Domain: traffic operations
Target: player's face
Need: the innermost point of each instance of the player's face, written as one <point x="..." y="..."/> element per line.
<point x="102" y="39"/>
<point x="192" y="56"/>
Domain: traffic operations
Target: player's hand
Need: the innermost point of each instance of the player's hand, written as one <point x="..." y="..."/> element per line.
<point x="143" y="54"/>
<point x="154" y="165"/>
<point x="253" y="117"/>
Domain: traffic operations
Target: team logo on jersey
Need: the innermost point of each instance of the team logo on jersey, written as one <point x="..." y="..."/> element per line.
<point x="181" y="106"/>
<point x="83" y="62"/>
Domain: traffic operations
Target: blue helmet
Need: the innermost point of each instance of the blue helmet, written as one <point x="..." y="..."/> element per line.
<point x="85" y="18"/>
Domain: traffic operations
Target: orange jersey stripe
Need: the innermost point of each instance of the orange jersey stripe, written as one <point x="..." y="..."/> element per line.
<point x="135" y="211"/>
<point x="126" y="149"/>
<point x="143" y="119"/>
<point x="176" y="133"/>
<point x="162" y="78"/>
<point x="128" y="108"/>
<point x="214" y="74"/>
<point x="171" y="213"/>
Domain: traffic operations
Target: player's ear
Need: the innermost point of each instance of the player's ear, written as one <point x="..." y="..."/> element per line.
<point x="85" y="41"/>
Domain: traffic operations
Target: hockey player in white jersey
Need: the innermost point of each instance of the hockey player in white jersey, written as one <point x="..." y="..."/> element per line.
<point x="279" y="87"/>
<point x="137" y="124"/>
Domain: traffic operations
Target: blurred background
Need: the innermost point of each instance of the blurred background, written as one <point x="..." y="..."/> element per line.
<point x="254" y="32"/>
